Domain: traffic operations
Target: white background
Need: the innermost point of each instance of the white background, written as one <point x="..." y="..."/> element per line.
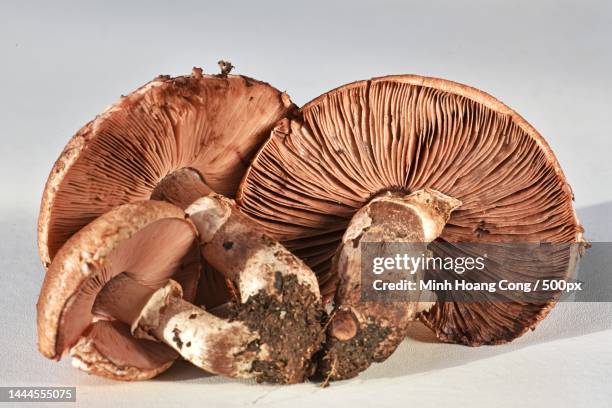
<point x="61" y="63"/>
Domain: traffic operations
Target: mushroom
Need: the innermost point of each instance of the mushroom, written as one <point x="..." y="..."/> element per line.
<point x="385" y="142"/>
<point x="126" y="274"/>
<point x="148" y="242"/>
<point x="173" y="139"/>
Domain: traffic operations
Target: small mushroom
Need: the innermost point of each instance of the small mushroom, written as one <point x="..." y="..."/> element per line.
<point x="149" y="242"/>
<point x="403" y="135"/>
<point x="119" y="275"/>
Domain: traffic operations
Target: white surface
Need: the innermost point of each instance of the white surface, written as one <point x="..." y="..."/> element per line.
<point x="550" y="60"/>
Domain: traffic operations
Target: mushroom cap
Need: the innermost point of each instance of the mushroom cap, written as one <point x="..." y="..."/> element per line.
<point x="197" y="132"/>
<point x="150" y="241"/>
<point x="405" y="133"/>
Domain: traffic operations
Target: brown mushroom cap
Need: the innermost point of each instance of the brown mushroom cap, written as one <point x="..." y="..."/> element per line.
<point x="149" y="241"/>
<point x="173" y="139"/>
<point x="406" y="133"/>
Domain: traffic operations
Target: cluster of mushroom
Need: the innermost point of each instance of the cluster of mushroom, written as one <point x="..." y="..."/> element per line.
<point x="149" y="257"/>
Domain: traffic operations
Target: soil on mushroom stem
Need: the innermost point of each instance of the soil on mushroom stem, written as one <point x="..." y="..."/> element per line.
<point x="290" y="326"/>
<point x="346" y="359"/>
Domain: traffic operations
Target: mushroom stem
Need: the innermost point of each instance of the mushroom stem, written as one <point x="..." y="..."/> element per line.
<point x="365" y="331"/>
<point x="234" y="245"/>
<point x="209" y="342"/>
<point x="181" y="187"/>
<point x="279" y="295"/>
